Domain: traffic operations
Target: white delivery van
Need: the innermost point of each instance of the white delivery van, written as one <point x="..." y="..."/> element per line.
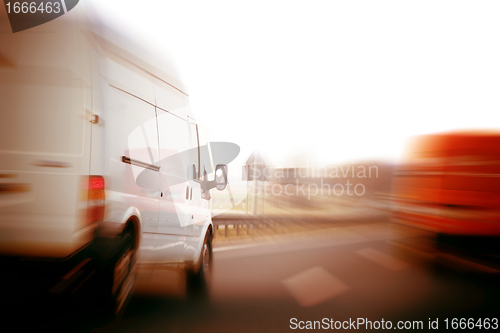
<point x="100" y="156"/>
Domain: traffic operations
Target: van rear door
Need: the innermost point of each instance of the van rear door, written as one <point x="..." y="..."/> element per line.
<point x="44" y="139"/>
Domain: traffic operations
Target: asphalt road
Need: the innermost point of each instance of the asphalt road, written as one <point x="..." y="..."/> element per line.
<point x="340" y="274"/>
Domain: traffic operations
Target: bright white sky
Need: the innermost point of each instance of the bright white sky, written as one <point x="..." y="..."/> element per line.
<point x="328" y="80"/>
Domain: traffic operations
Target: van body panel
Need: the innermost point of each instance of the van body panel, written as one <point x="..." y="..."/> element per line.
<point x="174" y="214"/>
<point x="170" y="99"/>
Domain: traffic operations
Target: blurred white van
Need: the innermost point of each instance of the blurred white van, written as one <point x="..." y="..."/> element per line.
<point x="100" y="154"/>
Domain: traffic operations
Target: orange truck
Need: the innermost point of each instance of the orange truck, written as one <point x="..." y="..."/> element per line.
<point x="449" y="185"/>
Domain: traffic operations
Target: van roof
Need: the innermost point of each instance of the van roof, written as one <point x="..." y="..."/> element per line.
<point x="112" y="39"/>
<point x="141" y="53"/>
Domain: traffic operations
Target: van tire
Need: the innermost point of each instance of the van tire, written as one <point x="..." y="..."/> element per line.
<point x="198" y="281"/>
<point x="115" y="278"/>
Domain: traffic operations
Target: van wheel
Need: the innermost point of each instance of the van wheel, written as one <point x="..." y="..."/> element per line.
<point x="116" y="278"/>
<point x="199" y="281"/>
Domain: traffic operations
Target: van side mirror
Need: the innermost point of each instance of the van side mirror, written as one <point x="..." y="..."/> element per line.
<point x="220" y="179"/>
<point x="220" y="176"/>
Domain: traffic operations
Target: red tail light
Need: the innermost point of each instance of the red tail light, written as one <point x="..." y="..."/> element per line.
<point x="94" y="195"/>
<point x="96" y="183"/>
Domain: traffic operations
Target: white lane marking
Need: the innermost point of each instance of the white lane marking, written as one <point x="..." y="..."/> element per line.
<point x="64" y="6"/>
<point x="382" y="259"/>
<point x="292" y="245"/>
<point x="314" y="286"/>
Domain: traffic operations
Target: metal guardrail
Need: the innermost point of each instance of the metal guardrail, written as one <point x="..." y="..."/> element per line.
<point x="239" y="225"/>
<point x="249" y="224"/>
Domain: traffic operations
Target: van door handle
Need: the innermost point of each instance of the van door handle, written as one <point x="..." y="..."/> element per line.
<point x="187" y="192"/>
<point x="191" y="194"/>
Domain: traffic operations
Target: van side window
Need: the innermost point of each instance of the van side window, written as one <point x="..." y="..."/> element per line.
<point x="173" y="136"/>
<point x="195" y="151"/>
<point x="206" y="165"/>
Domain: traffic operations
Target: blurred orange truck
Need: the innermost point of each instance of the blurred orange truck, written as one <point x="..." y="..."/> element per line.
<point x="449" y="184"/>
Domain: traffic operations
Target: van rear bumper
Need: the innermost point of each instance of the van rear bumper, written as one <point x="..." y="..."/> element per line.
<point x="50" y="238"/>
